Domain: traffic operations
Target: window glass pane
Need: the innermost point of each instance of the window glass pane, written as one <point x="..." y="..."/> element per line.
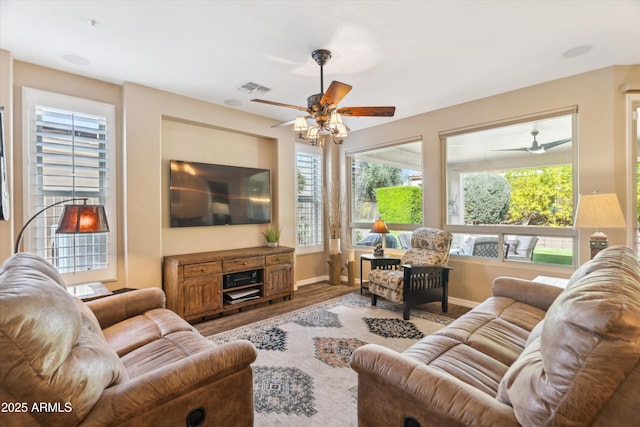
<point x="509" y="177"/>
<point x="69" y="144"/>
<point x="386" y="183"/>
<point x="309" y="193"/>
<point x="513" y="175"/>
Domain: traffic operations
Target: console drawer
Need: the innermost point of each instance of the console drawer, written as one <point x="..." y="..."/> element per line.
<point x="279" y="259"/>
<point x="202" y="269"/>
<point x="242" y="264"/>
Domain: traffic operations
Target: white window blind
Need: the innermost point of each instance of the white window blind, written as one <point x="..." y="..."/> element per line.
<point x="309" y="191"/>
<point x="69" y="157"/>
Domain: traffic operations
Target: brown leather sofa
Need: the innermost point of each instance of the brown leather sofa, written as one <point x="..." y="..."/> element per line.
<point x="529" y="355"/>
<point x="121" y="360"/>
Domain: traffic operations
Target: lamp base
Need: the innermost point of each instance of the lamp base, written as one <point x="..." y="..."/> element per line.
<point x="598" y="241"/>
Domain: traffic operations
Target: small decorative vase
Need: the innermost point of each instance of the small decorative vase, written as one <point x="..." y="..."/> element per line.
<point x="334" y="246"/>
<point x="272" y="244"/>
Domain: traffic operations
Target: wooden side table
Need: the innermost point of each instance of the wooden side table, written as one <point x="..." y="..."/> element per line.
<point x="375" y="262"/>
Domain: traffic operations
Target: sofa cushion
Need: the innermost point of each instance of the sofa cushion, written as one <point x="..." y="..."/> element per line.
<point x="64" y="358"/>
<point x="588" y="344"/>
<point x="479" y="347"/>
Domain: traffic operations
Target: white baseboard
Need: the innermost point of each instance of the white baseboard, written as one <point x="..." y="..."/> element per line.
<point x="312" y="280"/>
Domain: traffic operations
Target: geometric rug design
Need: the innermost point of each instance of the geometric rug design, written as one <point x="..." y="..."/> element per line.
<point x="393" y="328"/>
<point x="319" y="318"/>
<point x="336" y="352"/>
<point x="283" y="390"/>
<point x="307" y="381"/>
<point x="271" y="339"/>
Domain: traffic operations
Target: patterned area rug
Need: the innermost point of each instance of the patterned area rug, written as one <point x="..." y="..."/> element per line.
<point x="302" y="374"/>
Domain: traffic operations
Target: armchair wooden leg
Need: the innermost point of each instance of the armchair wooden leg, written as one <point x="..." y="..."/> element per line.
<point x="374" y="299"/>
<point x="445" y="299"/>
<point x="406" y="310"/>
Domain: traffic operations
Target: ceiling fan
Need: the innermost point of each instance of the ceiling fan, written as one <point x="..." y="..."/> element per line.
<point x="323" y="107"/>
<point x="536" y="147"/>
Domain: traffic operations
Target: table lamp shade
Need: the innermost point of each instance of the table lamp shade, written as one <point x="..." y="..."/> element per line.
<point x="379" y="227"/>
<point x="83" y="219"/>
<point x="599" y="210"/>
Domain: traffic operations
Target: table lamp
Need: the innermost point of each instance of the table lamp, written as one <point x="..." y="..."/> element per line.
<point x="598" y="210"/>
<point x="381" y="228"/>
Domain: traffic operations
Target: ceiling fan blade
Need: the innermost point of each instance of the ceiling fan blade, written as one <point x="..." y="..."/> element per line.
<point x="514" y="149"/>
<point x="549" y="145"/>
<point x="368" y="111"/>
<point x="279" y="104"/>
<point x="334" y="94"/>
<point x="288" y="122"/>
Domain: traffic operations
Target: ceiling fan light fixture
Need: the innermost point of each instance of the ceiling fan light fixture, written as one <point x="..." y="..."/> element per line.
<point x="300" y="125"/>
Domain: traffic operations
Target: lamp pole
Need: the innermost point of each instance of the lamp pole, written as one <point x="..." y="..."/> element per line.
<point x="24" y="227"/>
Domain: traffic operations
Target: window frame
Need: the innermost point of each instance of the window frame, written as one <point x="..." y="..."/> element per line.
<point x="32" y="202"/>
<point x="312" y="151"/>
<point x="507" y="230"/>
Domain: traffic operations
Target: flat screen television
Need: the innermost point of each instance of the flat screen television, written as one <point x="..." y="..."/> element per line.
<point x="204" y="194"/>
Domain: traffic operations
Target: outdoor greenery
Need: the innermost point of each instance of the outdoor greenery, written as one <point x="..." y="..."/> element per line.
<point x="541" y="196"/>
<point x="486" y="198"/>
<point x="370" y="176"/>
<point x="400" y="205"/>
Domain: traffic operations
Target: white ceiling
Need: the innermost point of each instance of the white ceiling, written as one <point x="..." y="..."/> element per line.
<point x="416" y="55"/>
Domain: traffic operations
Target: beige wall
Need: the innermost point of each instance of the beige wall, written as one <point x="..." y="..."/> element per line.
<point x="601" y="144"/>
<point x="188" y="141"/>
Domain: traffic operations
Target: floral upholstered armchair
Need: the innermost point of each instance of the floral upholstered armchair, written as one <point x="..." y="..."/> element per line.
<point x="420" y="276"/>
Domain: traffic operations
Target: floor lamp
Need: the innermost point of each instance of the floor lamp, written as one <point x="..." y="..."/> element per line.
<point x="599" y="210"/>
<point x="75" y="219"/>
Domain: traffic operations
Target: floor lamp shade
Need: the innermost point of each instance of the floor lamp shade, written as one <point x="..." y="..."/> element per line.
<point x="74" y="219"/>
<point x="83" y="219"/>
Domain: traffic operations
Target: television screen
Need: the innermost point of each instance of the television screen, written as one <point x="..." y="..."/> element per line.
<point x="208" y="194"/>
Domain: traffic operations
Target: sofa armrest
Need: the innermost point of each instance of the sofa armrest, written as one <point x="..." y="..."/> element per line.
<point x="129" y="399"/>
<point x="116" y="308"/>
<point x="529" y="292"/>
<point x="413" y="389"/>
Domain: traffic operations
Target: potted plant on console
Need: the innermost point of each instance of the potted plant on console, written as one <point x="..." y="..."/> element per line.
<point x="272" y="236"/>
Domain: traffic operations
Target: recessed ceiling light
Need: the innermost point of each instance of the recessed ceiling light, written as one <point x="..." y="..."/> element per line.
<point x="577" y="51"/>
<point x="76" y="59"/>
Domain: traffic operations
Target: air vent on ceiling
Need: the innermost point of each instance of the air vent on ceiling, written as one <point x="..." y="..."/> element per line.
<point x="254" y="88"/>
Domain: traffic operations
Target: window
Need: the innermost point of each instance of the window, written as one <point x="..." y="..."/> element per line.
<point x="385" y="182"/>
<point x="69" y="153"/>
<point x="309" y="193"/>
<point x="510" y="189"/>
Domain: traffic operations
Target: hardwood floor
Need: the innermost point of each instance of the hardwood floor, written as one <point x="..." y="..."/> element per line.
<point x="303" y="297"/>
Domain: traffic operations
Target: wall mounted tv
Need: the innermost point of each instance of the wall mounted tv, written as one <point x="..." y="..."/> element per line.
<point x="208" y="194"/>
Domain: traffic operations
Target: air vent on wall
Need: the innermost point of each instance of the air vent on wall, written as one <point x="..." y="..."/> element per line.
<point x="254" y="88"/>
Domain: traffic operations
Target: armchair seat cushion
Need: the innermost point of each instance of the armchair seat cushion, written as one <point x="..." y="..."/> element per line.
<point x="387" y="284"/>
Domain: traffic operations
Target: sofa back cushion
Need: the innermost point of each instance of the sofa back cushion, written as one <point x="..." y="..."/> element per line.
<point x="428" y="246"/>
<point x="51" y="345"/>
<point x="587" y="346"/>
<point x="613" y="257"/>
